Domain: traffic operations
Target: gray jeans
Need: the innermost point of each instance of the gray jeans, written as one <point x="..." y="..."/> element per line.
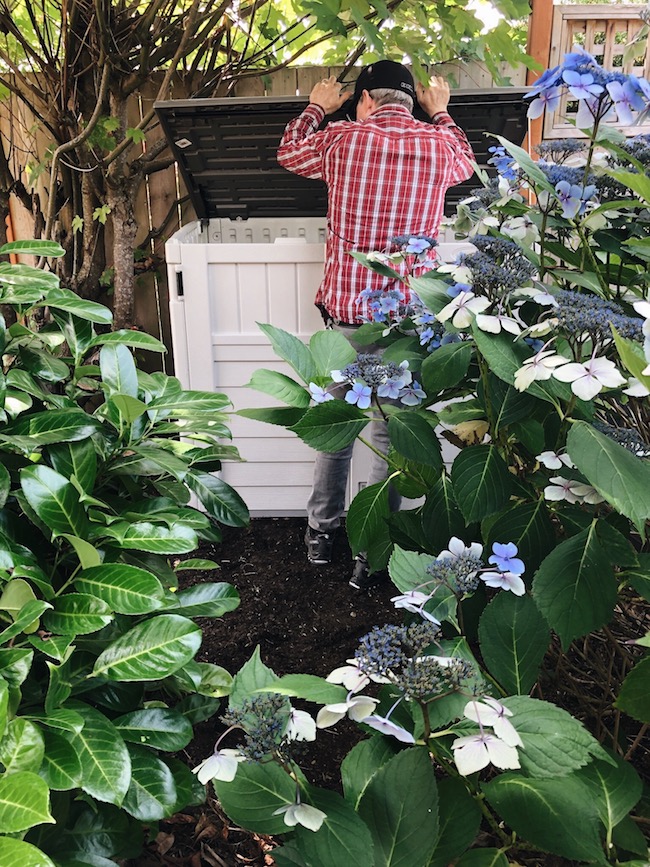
<point x="326" y="502"/>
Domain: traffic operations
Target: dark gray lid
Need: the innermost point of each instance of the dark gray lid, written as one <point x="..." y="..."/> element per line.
<point x="226" y="149"/>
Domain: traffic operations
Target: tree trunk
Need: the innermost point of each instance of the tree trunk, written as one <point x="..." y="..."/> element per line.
<point x="120" y="197"/>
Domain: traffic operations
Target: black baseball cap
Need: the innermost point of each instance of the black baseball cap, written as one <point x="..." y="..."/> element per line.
<point x="383" y="73"/>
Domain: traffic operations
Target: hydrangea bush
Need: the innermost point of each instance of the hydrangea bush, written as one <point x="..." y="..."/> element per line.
<point x="530" y="355"/>
<point x="99" y="685"/>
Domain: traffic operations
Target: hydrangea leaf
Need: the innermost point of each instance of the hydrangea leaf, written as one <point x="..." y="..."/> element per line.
<point x="619" y="476"/>
<point x="615" y="787"/>
<point x="459" y="819"/>
<point x="555" y="743"/>
<point x="482" y="483"/>
<point x="280" y="386"/>
<point x="343" y="838"/>
<point x="291" y="350"/>
<point x="634" y="698"/>
<point x="400" y="807"/>
<point x="330" y="351"/>
<point x="555" y="815"/>
<point x="574" y="588"/>
<point x="513" y="638"/>
<point x="331" y="426"/>
<point x="362" y="763"/>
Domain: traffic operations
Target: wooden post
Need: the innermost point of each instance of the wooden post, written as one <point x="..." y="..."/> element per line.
<point x="539" y="47"/>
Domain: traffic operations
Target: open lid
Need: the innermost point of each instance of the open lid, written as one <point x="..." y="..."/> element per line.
<point x="226" y="149"/>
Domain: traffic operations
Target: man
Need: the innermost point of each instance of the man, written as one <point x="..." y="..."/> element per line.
<point x="386" y="175"/>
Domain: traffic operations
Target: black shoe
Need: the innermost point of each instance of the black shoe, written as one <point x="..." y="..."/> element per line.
<point x="362" y="579"/>
<point x="319" y="546"/>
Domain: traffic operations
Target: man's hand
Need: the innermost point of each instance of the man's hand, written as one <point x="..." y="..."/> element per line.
<point x="327" y="93"/>
<point x="435" y="97"/>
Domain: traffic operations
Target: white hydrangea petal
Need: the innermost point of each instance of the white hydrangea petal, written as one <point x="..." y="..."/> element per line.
<point x="361" y="706"/>
<point x="586" y="388"/>
<point x="309" y="817"/>
<point x="470" y="755"/>
<point x="330" y="714"/>
<point x="505" y="730"/>
<point x="301" y="727"/>
<point x="501" y="755"/>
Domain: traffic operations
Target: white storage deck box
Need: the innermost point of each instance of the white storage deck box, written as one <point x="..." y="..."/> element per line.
<point x="255" y="254"/>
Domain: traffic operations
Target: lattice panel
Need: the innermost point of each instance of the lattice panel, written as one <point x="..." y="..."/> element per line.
<point x="603" y="31"/>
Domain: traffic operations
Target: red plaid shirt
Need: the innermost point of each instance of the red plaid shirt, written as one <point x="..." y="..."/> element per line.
<point x="386" y="176"/>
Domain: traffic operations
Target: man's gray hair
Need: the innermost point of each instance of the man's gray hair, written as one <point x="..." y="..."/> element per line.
<point x="388" y="96"/>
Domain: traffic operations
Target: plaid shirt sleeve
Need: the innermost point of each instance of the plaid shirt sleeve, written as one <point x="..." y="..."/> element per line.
<point x="461" y="168"/>
<point x="301" y="148"/>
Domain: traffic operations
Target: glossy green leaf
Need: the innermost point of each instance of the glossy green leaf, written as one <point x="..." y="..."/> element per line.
<point x="292" y="350"/>
<point x="482" y="483"/>
<point x="22" y="747"/>
<point x="514" y="639"/>
<point x="400" y="807"/>
<point x="575" y="588"/>
<point x="252" y="677"/>
<point x="145" y="536"/>
<point x="61" y="768"/>
<point x="129" y="408"/>
<point x="118" y="370"/>
<point x="64" y="299"/>
<point x="55" y="500"/>
<point x="129" y="337"/>
<point x="15" y="664"/>
<point x="43" y="365"/>
<point x="24" y="801"/>
<point x="445" y="367"/>
<point x="151" y="650"/>
<point x="219" y="499"/>
<point x="77" y="614"/>
<point x="555" y="743"/>
<point x="205" y="600"/>
<point x="88" y="555"/>
<point x="459" y="820"/>
<point x="60" y="719"/>
<point x="17" y="853"/>
<point x="56" y="426"/>
<point x="151" y="795"/>
<point x="5" y="485"/>
<point x="190" y="404"/>
<point x="308" y="687"/>
<point x="103" y="754"/>
<point x="255" y="793"/>
<point x="330" y="351"/>
<point x="125" y="589"/>
<point x="331" y="426"/>
<point x="26" y="621"/>
<point x="280" y="386"/>
<point x="634" y="697"/>
<point x="619" y="476"/>
<point x="33" y="247"/>
<point x="555" y="815"/>
<point x="77" y="459"/>
<point x="158" y="727"/>
<point x="26" y="275"/>
<point x="414" y="438"/>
